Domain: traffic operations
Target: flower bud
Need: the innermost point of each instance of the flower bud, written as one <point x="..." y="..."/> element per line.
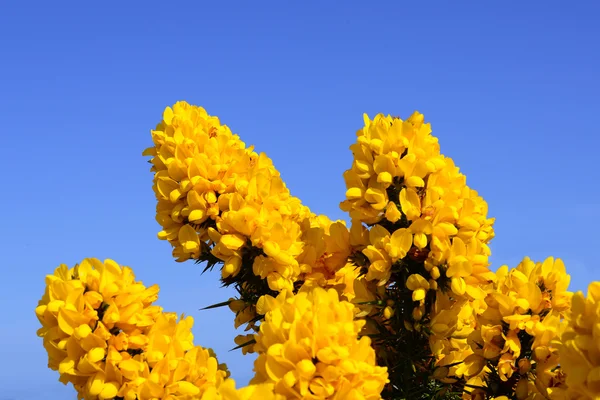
<point x="417" y="313"/>
<point x="388" y="312"/>
<point x="524" y="366"/>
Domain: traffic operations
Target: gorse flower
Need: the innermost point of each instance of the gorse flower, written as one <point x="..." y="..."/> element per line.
<point x="426" y="246"/>
<point x="419" y="203"/>
<point x="87" y="306"/>
<point x="105" y="337"/>
<point x="414" y="261"/>
<point x="309" y="348"/>
<point x="381" y="146"/>
<point x="220" y="201"/>
<point x="579" y="346"/>
<point x="513" y="343"/>
<point x="402" y="304"/>
<point x="227" y="391"/>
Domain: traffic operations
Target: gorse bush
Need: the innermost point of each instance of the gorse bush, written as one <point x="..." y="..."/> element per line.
<point x="402" y="304"/>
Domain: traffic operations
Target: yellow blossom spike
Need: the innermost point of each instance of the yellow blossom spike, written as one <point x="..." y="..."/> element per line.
<point x="104" y="336"/>
<point x="328" y="327"/>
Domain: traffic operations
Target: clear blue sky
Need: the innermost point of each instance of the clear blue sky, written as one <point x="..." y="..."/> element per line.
<point x="511" y="89"/>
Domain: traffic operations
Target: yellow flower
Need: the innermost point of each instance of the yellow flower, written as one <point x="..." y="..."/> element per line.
<point x="471" y="366"/>
<point x="103" y="335"/>
<point x="506" y="366"/>
<point x="579" y="349"/>
<point x="84" y="307"/>
<point x="428" y="235"/>
<point x="517" y="330"/>
<point x="388" y="148"/>
<point x="391" y="212"/>
<point x="418" y="285"/>
<point x="380" y="262"/>
<point x="400" y="180"/>
<point x="227" y="391"/>
<point x="308" y="347"/>
<point x="218" y="200"/>
<point x="384" y="250"/>
<point x="194" y="158"/>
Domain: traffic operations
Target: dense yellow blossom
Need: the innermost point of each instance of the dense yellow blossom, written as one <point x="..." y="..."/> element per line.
<point x="217" y="196"/>
<point x="227" y="391"/>
<point x="308" y="348"/>
<point x="400" y="304"/>
<point x="514" y="340"/>
<point x="580" y="345"/>
<point x="399" y="177"/>
<point x="104" y="336"/>
<point x="426" y="248"/>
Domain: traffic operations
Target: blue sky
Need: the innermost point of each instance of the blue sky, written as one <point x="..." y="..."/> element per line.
<point x="511" y="90"/>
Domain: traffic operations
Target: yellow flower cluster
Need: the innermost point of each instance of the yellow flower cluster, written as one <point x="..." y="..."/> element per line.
<point x="400" y="305"/>
<point x="425" y="246"/>
<point x="227" y="391"/>
<point x="215" y="195"/>
<point x="308" y="348"/>
<point x="426" y="234"/>
<point x="512" y="349"/>
<point x="104" y="336"/>
<point x="580" y="346"/>
<point x="420" y="205"/>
